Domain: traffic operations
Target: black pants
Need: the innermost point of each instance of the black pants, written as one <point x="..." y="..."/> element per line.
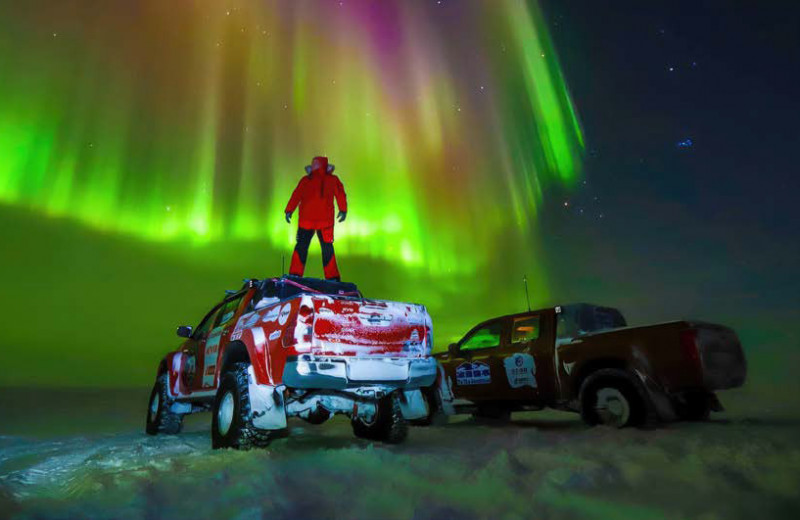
<point x="300" y="255"/>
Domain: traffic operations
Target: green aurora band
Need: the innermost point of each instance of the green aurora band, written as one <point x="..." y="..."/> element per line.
<point x="190" y="123"/>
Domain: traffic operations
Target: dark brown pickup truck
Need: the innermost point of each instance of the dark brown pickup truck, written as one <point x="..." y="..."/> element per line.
<point x="583" y="358"/>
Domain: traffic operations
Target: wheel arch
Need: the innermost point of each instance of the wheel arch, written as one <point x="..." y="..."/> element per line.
<point x="235" y="352"/>
<point x="592" y="366"/>
<point x="249" y="348"/>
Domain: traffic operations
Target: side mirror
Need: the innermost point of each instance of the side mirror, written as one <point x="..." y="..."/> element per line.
<point x="452" y="349"/>
<point x="184" y="331"/>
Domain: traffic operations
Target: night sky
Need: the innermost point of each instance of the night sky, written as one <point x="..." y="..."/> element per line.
<point x="709" y="229"/>
<point x="642" y="157"/>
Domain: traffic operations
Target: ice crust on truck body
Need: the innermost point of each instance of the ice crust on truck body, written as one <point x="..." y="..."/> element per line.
<point x="308" y="348"/>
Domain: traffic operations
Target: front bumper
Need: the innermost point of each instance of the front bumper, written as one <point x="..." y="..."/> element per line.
<point x="331" y="372"/>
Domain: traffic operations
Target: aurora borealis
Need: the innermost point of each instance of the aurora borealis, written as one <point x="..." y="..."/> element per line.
<point x="193" y="120"/>
<point x="144" y="169"/>
<point x="158" y="142"/>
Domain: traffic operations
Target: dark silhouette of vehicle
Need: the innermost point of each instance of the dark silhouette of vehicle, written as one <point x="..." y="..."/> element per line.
<point x="583" y="358"/>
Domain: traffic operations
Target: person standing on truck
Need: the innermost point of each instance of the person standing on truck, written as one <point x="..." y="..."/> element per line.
<point x="315" y="193"/>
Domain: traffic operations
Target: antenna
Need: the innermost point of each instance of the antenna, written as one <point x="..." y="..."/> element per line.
<point x="527" y="298"/>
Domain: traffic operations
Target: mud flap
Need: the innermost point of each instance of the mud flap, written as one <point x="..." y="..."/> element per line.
<point x="716" y="405"/>
<point x="660" y="403"/>
<point x="445" y="392"/>
<point x="413" y="405"/>
<point x="266" y="405"/>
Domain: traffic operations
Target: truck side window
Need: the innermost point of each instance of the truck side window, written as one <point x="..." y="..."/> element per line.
<point x="227" y="311"/>
<point x="205" y="325"/>
<point x="525" y="329"/>
<point x="567" y="327"/>
<point x="266" y="296"/>
<point x="485" y="337"/>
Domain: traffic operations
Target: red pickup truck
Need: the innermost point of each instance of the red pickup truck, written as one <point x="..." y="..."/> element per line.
<point x="584" y="358"/>
<point x="300" y="347"/>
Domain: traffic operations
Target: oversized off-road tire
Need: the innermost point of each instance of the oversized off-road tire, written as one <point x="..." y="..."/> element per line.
<point x="231" y="417"/>
<point x="159" y="417"/>
<point x="388" y="425"/>
<point x="611" y="397"/>
<point x="694" y="406"/>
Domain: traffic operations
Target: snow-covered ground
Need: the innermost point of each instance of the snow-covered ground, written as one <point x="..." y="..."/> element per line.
<point x="65" y="460"/>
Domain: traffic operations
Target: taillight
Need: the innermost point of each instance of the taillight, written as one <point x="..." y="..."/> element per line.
<point x="689" y="345"/>
<point x="300" y="326"/>
<point x="428" y="340"/>
<point x="306" y="322"/>
<point x="306" y="311"/>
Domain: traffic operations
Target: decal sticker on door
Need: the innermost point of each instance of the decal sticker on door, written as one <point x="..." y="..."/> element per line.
<point x="476" y="373"/>
<point x="210" y="358"/>
<point x="520" y="370"/>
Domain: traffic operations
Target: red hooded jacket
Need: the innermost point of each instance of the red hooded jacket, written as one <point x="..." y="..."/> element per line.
<point x="314" y="193"/>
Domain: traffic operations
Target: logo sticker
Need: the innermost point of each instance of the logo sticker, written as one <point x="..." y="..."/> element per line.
<point x="375" y="319"/>
<point x="275" y="335"/>
<point x="520" y="370"/>
<point x="251" y="320"/>
<point x="272" y="315"/>
<point x="284" y="315"/>
<point x="476" y="373"/>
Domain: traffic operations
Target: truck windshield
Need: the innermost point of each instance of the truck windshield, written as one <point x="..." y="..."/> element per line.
<point x="583" y="318"/>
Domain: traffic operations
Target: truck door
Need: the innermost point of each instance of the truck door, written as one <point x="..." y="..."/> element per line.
<point x="473" y="375"/>
<point x="217" y="337"/>
<point x="542" y="348"/>
<point x="528" y="360"/>
<point x="193" y="350"/>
